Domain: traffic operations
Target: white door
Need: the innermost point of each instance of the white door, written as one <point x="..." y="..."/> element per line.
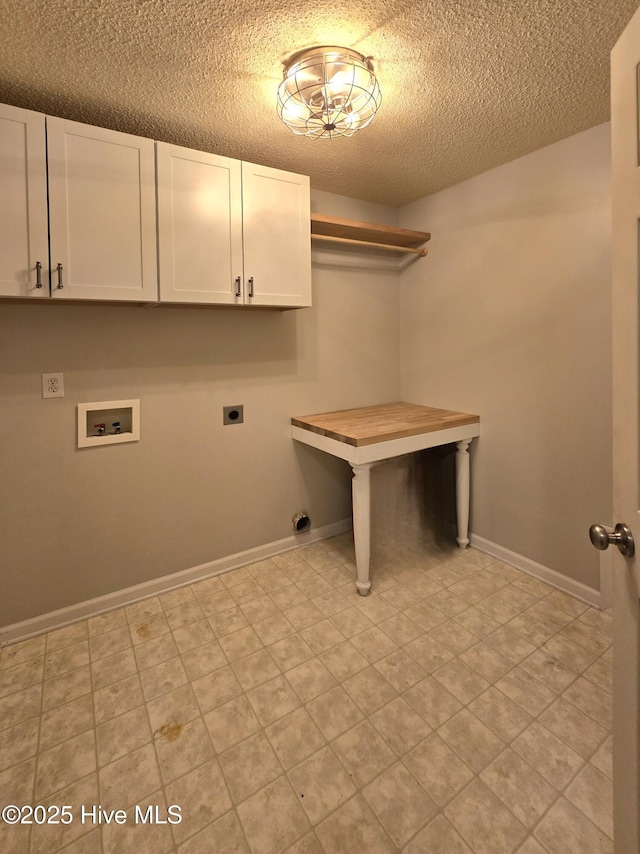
<point x="199" y="226"/>
<point x="625" y="65"/>
<point x="102" y="213"/>
<point x="24" y="242"/>
<point x="277" y="237"/>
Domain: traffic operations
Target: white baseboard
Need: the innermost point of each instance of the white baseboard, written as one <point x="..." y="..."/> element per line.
<point x="128" y="595"/>
<point x="537" y="570"/>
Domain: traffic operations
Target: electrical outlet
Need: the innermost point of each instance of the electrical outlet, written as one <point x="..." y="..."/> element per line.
<point x="52" y="385"/>
<point x="232" y="414"/>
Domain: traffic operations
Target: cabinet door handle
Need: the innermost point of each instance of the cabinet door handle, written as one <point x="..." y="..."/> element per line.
<point x="38" y="274"/>
<point x="59" y="269"/>
<point x="238" y="289"/>
<point x="250" y="282"/>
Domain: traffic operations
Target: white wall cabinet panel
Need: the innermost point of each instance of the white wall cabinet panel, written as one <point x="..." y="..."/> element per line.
<point x="102" y="213"/>
<point x="276" y="234"/>
<point x="199" y="226"/>
<point x="230" y="232"/>
<point x="78" y="220"/>
<point x="24" y="242"/>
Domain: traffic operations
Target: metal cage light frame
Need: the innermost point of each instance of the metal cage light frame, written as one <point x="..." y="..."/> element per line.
<point x="328" y="92"/>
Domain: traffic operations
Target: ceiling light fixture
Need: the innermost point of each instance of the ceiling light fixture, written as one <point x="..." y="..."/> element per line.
<point x="327" y="92"/>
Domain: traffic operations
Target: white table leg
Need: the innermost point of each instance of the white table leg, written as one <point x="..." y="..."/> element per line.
<point x="462" y="491"/>
<point x="361" y="493"/>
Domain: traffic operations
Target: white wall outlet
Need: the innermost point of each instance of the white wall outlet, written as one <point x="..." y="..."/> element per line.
<point x="52" y="385"/>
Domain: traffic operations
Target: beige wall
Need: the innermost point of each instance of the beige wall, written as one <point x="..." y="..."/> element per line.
<point x="510" y="317"/>
<point x="75" y="524"/>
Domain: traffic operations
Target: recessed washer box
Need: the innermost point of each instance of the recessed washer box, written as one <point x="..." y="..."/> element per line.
<point x="108" y="422"/>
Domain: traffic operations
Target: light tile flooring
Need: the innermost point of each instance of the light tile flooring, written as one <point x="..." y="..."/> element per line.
<point x="462" y="707"/>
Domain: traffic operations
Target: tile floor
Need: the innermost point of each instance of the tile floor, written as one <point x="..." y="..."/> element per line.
<point x="462" y="707"/>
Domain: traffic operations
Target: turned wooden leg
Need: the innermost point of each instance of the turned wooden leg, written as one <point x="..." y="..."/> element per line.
<point x="462" y="491"/>
<point x="361" y="493"/>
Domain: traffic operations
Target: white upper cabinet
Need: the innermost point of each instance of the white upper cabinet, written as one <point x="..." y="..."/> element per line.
<point x="231" y="233"/>
<point x="78" y="220"/>
<point x="24" y="242"/>
<point x="199" y="226"/>
<point x="102" y="213"/>
<point x="277" y="237"/>
<point x="97" y="237"/>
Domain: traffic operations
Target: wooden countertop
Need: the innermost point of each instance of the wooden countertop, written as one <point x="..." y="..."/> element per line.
<point x="370" y="424"/>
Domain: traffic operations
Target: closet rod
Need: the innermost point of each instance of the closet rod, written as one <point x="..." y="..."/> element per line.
<point x="421" y="252"/>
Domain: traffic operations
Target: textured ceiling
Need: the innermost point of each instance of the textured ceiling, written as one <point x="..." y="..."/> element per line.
<point x="466" y="84"/>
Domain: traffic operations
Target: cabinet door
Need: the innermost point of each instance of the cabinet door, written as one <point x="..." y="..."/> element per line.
<point x="199" y="226"/>
<point x="102" y="213"/>
<point x="277" y="237"/>
<point x="24" y="242"/>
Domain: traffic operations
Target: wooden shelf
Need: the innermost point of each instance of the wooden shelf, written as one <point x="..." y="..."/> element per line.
<point x="353" y="232"/>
